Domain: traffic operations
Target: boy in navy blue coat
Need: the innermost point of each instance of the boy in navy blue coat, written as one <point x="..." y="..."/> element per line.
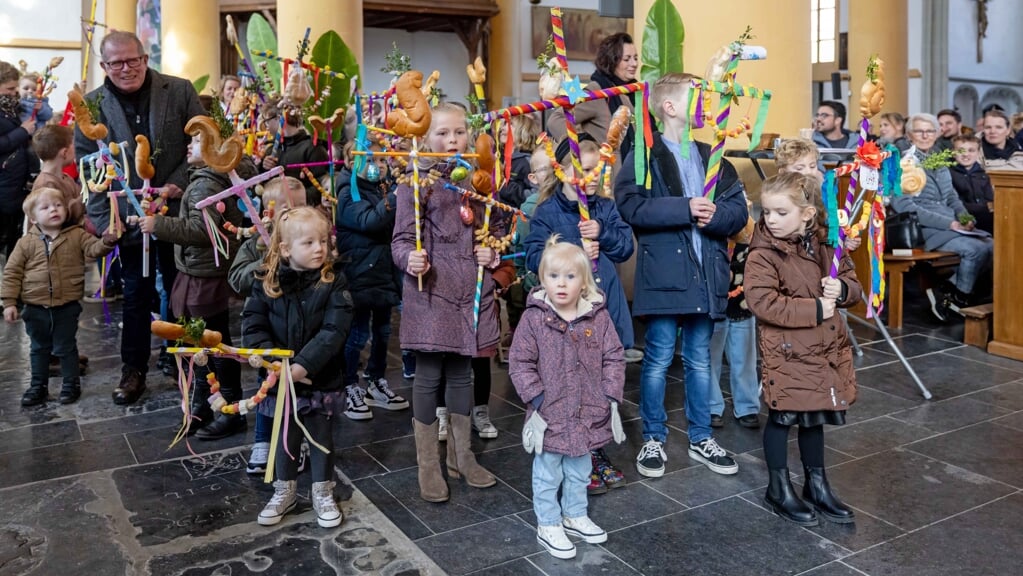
<point x="681" y="272"/>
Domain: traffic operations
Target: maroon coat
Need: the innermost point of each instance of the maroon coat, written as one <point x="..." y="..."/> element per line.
<point x="440" y="318"/>
<point x="807" y="364"/>
<point x="578" y="366"/>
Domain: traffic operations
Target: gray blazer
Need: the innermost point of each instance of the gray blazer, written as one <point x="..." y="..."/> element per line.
<point x="172" y="103"/>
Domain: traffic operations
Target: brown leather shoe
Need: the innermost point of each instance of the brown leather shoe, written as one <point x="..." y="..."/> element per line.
<point x="133" y="384"/>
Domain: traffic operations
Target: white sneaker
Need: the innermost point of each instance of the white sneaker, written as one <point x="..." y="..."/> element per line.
<point x="327" y="513"/>
<point x="442" y="424"/>
<point x="481" y="422"/>
<point x="554" y="540"/>
<point x="258" y="457"/>
<point x="355" y="404"/>
<point x="283" y="501"/>
<point x="380" y="395"/>
<point x="584" y="528"/>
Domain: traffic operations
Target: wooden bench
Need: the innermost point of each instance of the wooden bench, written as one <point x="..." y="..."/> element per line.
<point x="896" y="266"/>
<point x="977" y="329"/>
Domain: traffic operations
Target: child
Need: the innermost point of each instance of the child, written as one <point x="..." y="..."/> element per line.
<point x="808" y="377"/>
<point x="437" y="322"/>
<point x="606" y="238"/>
<point x="364" y="231"/>
<point x="524" y="131"/>
<point x="300" y="302"/>
<point x="279" y="195"/>
<point x="540" y="171"/>
<point x="29" y="103"/>
<point x="46" y="271"/>
<point x="200" y="289"/>
<point x="18" y="160"/>
<point x="55" y="147"/>
<point x="291" y="144"/>
<point x="681" y="273"/>
<point x="971" y="181"/>
<point x="566" y="320"/>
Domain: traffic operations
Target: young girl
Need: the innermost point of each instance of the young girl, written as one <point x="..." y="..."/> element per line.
<point x="566" y="363"/>
<point x="606" y="238"/>
<point x="301" y="303"/>
<point x="437" y="322"/>
<point x="808" y="378"/>
<point x="200" y="289"/>
<point x="46" y="271"/>
<point x="364" y="231"/>
<point x="524" y="131"/>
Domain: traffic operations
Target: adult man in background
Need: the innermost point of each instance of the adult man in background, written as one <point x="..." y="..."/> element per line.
<point x="830" y="132"/>
<point x="950" y="123"/>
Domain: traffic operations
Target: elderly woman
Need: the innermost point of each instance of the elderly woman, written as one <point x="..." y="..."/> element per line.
<point x="937" y="208"/>
<point x="892" y="129"/>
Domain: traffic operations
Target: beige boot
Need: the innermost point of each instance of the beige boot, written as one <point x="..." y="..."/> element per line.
<point x="461" y="460"/>
<point x="432" y="486"/>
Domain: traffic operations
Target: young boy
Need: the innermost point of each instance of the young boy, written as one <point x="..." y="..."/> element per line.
<point x="55" y="147"/>
<point x="971" y="181"/>
<point x="295" y="146"/>
<point x="681" y="271"/>
<point x="46" y="271"/>
<point x="29" y="102"/>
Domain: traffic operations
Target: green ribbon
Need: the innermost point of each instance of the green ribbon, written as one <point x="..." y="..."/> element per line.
<point x="829" y="197"/>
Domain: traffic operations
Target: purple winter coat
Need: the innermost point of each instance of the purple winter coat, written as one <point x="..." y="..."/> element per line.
<point x="440" y="318"/>
<point x="578" y="366"/>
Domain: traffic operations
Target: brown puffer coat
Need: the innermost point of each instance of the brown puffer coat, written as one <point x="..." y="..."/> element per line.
<point x="50" y="277"/>
<point x="807" y="365"/>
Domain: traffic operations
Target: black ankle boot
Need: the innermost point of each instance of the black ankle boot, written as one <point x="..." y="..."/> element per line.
<point x="781" y="498"/>
<point x="223" y="425"/>
<point x="70" y="392"/>
<point x="34" y="396"/>
<point x="817" y="492"/>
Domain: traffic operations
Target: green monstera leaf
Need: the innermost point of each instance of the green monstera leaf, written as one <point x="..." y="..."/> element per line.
<point x="663" y="38"/>
<point x="331" y="51"/>
<point x="260" y="37"/>
<point x="200" y="83"/>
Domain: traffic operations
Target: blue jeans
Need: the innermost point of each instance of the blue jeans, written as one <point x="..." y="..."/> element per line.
<point x="661" y="333"/>
<point x="552" y="471"/>
<point x="357" y="337"/>
<point x="974" y="259"/>
<point x="738" y="339"/>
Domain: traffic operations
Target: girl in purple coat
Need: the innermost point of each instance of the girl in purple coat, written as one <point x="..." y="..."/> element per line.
<point x="437" y="321"/>
<point x="567" y="364"/>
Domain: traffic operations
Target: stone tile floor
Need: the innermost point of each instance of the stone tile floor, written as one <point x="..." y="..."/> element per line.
<point x="92" y="489"/>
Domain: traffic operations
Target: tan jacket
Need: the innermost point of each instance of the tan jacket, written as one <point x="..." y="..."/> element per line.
<point x="50" y="276"/>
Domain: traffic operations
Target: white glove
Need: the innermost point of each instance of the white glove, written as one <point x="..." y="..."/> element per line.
<point x="532" y="433"/>
<point x="616" y="424"/>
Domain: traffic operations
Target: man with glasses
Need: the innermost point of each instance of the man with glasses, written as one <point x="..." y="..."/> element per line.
<point x="135" y="100"/>
<point x="830" y="132"/>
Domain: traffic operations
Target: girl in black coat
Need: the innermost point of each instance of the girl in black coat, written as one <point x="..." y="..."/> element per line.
<point x="301" y="303"/>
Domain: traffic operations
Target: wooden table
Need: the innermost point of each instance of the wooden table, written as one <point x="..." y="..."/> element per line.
<point x="1008" y="264"/>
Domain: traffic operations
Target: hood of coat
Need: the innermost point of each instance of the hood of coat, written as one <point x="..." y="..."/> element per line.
<point x="291" y="280"/>
<point x="587" y="308"/>
<point x="245" y="169"/>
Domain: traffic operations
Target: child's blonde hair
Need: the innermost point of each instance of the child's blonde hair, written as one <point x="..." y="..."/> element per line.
<point x="274" y="190"/>
<point x="524" y="131"/>
<point x="791" y="150"/>
<point x="39" y="194"/>
<point x="289" y="223"/>
<point x="804" y="191"/>
<point x="560" y="254"/>
<point x="674" y="85"/>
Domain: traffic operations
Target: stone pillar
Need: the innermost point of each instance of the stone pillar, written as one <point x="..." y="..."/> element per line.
<point x="118" y="15"/>
<point x="294" y="17"/>
<point x="783" y="26"/>
<point x="190" y="36"/>
<point x="505" y="58"/>
<point x="935" y="60"/>
<point x="878" y="27"/>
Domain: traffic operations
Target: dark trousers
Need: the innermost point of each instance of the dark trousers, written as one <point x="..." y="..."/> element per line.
<point x="321" y="466"/>
<point x="481" y="383"/>
<point x="228" y="371"/>
<point x="53" y="331"/>
<point x="377" y="319"/>
<point x="10" y="231"/>
<point x="437" y="369"/>
<point x="139" y="296"/>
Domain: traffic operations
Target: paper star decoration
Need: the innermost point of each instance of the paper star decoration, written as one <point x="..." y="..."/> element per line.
<point x="574" y="90"/>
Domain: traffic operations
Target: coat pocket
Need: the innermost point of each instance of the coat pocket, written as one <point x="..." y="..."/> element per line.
<point x="663" y="266"/>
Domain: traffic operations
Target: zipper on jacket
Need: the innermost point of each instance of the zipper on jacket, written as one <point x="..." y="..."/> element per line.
<point x="49" y="269"/>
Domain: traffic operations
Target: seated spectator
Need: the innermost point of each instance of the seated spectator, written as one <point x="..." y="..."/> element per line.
<point x="893" y="131"/>
<point x="938" y="210"/>
<point x="830" y="130"/>
<point x="971" y="182"/>
<point x="997" y="142"/>
<point x="1017" y="127"/>
<point x="950" y="122"/>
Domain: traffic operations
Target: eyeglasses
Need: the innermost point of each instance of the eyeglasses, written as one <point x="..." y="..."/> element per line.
<point x="822" y="115"/>
<point x="925" y="132"/>
<point x="126" y="63"/>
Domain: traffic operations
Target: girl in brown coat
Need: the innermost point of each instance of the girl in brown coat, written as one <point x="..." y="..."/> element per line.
<point x="808" y="377"/>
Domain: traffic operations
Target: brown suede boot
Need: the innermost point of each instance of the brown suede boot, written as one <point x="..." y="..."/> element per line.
<point x="461" y="460"/>
<point x="432" y="486"/>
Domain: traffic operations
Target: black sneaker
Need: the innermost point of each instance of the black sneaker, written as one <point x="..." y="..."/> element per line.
<point x="716" y="421"/>
<point x="937" y="300"/>
<point x="713" y="456"/>
<point x="651" y="458"/>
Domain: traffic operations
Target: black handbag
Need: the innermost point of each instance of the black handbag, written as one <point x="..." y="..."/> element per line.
<point x="902" y="230"/>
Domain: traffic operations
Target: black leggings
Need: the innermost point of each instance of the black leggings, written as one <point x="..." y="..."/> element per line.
<point x="481" y="383"/>
<point x="811" y="445"/>
<point x="321" y="466"/>
<point x="436" y="371"/>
